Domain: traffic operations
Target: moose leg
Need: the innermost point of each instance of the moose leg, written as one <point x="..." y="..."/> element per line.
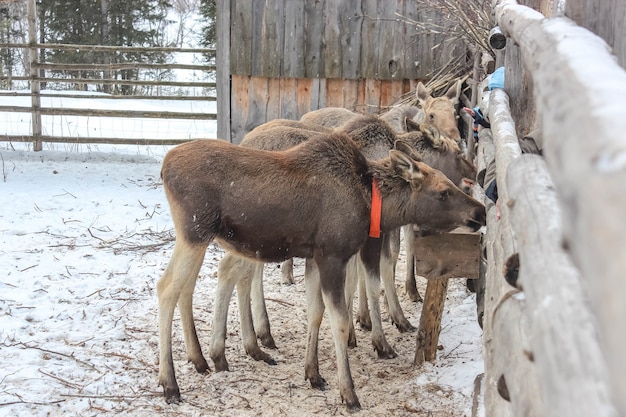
<point x="228" y="270"/>
<point x="370" y="256"/>
<point x="409" y="245"/>
<point x="332" y="281"/>
<point x="259" y="309"/>
<point x="286" y="270"/>
<point x="185" y="307"/>
<point x="352" y="277"/>
<point x="250" y="344"/>
<point x="363" y="312"/>
<point x="389" y="283"/>
<point x="315" y="312"/>
<point x="181" y="273"/>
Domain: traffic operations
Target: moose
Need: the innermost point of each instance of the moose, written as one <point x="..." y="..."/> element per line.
<point x="374" y="138"/>
<point x="312" y="201"/>
<point x="438" y="111"/>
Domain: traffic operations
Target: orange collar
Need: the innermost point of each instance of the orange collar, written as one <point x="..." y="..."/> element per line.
<point x="375" y="213"/>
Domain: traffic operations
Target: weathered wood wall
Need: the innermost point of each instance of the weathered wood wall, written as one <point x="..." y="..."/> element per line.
<point x="287" y="57"/>
<point x="606" y="18"/>
<point x="561" y="325"/>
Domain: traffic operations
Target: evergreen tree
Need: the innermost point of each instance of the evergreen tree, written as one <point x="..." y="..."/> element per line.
<point x="208" y="10"/>
<point x="104" y="22"/>
<point x="12" y="15"/>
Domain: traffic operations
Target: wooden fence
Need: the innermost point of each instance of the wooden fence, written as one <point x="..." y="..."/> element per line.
<point x="38" y="74"/>
<point x="38" y="77"/>
<point x="554" y="340"/>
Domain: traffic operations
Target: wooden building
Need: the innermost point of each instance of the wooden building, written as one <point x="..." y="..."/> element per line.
<point x="283" y="58"/>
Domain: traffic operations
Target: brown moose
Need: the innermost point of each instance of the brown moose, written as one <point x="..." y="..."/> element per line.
<point x="311" y="201"/>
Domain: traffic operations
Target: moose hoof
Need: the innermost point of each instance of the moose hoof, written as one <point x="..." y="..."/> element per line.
<point x="172" y="395"/>
<point x="365" y="323"/>
<point x="386" y="353"/>
<point x="221" y="365"/>
<point x="352" y="341"/>
<point x="318" y="383"/>
<point x="267" y="341"/>
<point x="414" y="295"/>
<point x="258" y="355"/>
<point x="353" y="406"/>
<point x="202" y="367"/>
<point x="404" y="326"/>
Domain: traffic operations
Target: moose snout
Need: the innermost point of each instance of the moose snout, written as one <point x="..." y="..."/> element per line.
<point x="478" y="218"/>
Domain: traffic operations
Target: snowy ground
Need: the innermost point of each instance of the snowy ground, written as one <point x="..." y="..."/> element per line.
<point x="85" y="235"/>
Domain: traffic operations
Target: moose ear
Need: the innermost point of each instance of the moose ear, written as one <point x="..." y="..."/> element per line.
<point x="411" y="125"/>
<point x="406" y="147"/>
<point x="454" y="92"/>
<point x="422" y="93"/>
<point x="432" y="135"/>
<point x="406" y="168"/>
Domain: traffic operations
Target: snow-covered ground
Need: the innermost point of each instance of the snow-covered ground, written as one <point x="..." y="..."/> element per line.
<point x="85" y="233"/>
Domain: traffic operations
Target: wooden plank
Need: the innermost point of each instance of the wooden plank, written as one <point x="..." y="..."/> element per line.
<point x="351" y="94"/>
<point x="495" y="288"/>
<point x="519" y="84"/>
<point x="361" y="107"/>
<point x="35" y="85"/>
<point x="619" y="26"/>
<point x="288" y="98"/>
<point x="314" y="61"/>
<point x="390" y="41"/>
<point x="305" y="89"/>
<point x="563" y="339"/>
<point x="84" y="112"/>
<point x="241" y="40"/>
<point x="240" y="107"/>
<point x="272" y="97"/>
<point x="350" y="18"/>
<point x="517" y="373"/>
<point x="293" y="61"/>
<point x="97" y="140"/>
<point x="511" y="375"/>
<point x="332" y="36"/>
<point x="370" y="33"/>
<point x="410" y="42"/>
<point x="268" y="38"/>
<point x="100" y="48"/>
<point x="503" y="128"/>
<point x="583" y="155"/>
<point x="372" y="95"/>
<point x="334" y="92"/>
<point x="257" y="103"/>
<point x="448" y="255"/>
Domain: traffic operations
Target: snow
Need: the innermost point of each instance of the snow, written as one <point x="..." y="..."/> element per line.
<point x="85" y="233"/>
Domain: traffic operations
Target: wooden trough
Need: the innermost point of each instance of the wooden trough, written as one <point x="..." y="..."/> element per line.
<point x="439" y="258"/>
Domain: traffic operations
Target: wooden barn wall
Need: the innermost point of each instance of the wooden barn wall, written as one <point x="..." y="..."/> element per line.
<point x="287" y="57"/>
<point x="344" y="39"/>
<point x="606" y="18"/>
<point x="259" y="99"/>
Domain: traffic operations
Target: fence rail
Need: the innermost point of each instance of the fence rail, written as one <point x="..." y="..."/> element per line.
<point x="37" y="77"/>
<point x="554" y="344"/>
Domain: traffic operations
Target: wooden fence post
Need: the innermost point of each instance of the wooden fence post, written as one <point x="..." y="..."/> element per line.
<point x="34" y="76"/>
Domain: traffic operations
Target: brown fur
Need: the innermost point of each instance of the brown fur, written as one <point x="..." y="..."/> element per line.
<point x="268" y="206"/>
